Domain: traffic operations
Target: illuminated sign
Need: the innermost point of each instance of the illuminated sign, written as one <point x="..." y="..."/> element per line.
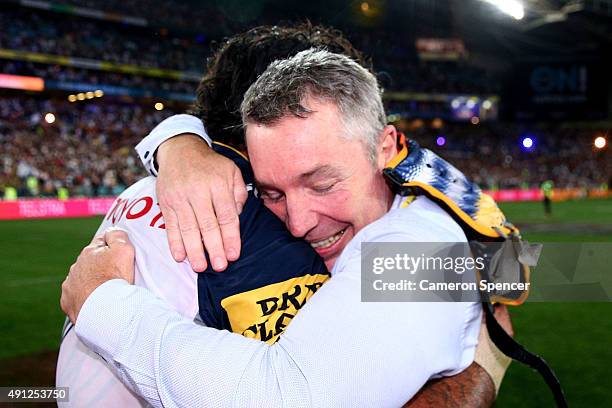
<point x="25" y="83"/>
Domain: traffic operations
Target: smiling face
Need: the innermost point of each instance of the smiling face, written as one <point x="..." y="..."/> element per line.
<point x="322" y="185"/>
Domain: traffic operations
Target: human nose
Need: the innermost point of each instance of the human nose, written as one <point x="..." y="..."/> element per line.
<point x="301" y="217"/>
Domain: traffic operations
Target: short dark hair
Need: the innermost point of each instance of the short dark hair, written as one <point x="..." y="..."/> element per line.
<point x="242" y="58"/>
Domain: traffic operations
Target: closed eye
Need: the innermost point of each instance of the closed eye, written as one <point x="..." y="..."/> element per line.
<point x="271" y="196"/>
<point x="324" y="188"/>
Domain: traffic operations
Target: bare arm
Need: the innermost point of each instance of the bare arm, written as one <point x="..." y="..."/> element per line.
<point x="471" y="388"/>
<point x="201" y="194"/>
<point x="475" y="387"/>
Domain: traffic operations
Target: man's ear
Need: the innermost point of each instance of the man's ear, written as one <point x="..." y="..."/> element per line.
<point x="387" y="148"/>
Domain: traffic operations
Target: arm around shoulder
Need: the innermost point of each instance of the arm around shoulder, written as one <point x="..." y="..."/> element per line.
<point x="170" y="127"/>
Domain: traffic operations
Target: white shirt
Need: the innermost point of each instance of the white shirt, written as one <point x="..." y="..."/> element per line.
<point x="91" y="382"/>
<point x="166" y="129"/>
<point x="338" y="351"/>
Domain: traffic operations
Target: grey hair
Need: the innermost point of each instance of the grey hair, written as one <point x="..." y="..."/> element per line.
<point x="282" y="89"/>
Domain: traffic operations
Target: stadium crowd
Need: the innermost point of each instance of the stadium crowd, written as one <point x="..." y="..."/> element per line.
<point x="493" y="154"/>
<point x="27" y="30"/>
<point x="66" y="74"/>
<point x="88" y="150"/>
<point x="400" y="68"/>
<point x="58" y="34"/>
<point x="443" y="77"/>
<point x="164" y="12"/>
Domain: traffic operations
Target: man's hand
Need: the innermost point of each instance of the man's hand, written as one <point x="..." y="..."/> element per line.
<point x="108" y="256"/>
<point x="200" y="193"/>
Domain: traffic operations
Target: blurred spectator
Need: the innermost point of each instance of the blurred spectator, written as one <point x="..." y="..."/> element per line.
<point x="88" y="149"/>
<point x="183" y="15"/>
<point x="493" y="155"/>
<point x="59" y="34"/>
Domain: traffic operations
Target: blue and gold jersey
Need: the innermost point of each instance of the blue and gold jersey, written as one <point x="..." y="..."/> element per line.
<point x="259" y="294"/>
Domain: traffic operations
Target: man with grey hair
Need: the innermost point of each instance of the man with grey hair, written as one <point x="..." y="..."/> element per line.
<point x="317" y="84"/>
<point x="334" y="77"/>
<point x="318" y="143"/>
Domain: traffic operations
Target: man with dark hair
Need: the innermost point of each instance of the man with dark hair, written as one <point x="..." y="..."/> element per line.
<point x="241" y="59"/>
<point x="230" y="72"/>
<point x="284" y="266"/>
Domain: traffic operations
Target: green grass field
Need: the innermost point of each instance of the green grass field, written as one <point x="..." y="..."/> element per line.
<point x="574" y="338"/>
<point x="34" y="258"/>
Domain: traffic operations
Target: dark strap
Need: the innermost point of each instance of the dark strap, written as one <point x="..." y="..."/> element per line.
<point x="514" y="350"/>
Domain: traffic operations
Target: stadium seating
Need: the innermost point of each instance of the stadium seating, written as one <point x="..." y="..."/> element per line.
<point x="33" y="31"/>
<point x="88" y="148"/>
<point x="493" y="155"/>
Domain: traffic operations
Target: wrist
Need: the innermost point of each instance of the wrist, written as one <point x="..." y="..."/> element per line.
<point x="492" y="361"/>
<point x="176" y="146"/>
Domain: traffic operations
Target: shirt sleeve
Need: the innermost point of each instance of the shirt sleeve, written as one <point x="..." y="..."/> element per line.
<point x="168" y="128"/>
<point x="338" y="351"/>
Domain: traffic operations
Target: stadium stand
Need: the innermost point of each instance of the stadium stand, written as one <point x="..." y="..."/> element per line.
<point x="71" y="74"/>
<point x="134" y="53"/>
<point x="183" y="15"/>
<point x="493" y="154"/>
<point x="46" y="33"/>
<point x="88" y="149"/>
<point x="82" y="81"/>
